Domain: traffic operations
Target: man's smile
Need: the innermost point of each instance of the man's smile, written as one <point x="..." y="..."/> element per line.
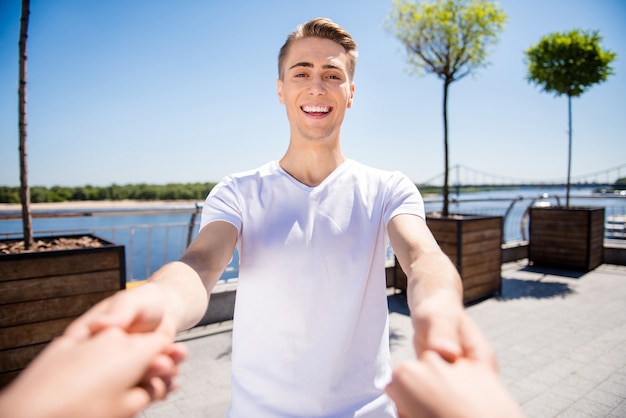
<point x="316" y="110"/>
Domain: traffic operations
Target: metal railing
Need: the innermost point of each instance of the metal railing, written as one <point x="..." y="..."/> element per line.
<point x="152" y="236"/>
<point x="515" y="211"/>
<point x="156" y="235"/>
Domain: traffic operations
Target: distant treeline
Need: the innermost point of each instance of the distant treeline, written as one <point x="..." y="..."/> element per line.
<point x="142" y="191"/>
<point x="173" y="191"/>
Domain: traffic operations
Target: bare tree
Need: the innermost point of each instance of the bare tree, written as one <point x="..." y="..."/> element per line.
<point x="27" y="221"/>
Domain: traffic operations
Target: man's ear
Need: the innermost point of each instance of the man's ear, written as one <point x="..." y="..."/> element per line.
<point x="279" y="89"/>
<point x="351" y="98"/>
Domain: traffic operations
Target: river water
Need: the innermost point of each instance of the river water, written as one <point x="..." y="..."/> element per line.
<point x="152" y="240"/>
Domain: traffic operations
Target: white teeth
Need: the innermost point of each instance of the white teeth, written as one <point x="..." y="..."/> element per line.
<point x="316" y="109"/>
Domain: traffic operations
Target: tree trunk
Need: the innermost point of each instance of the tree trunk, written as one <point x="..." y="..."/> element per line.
<point x="569" y="151"/>
<point x="24" y="187"/>
<point x="446" y="171"/>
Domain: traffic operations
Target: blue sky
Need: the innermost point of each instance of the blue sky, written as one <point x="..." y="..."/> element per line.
<point x="159" y="91"/>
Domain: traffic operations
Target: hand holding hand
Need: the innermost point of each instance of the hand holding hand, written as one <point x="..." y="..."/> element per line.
<point x="442" y="325"/>
<point x="110" y="374"/>
<point x="138" y="310"/>
<point x="434" y="387"/>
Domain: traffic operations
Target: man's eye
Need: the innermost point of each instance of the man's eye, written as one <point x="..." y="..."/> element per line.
<point x="334" y="77"/>
<point x="300" y="75"/>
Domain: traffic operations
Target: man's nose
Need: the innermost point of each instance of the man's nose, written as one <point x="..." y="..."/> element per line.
<point x="317" y="87"/>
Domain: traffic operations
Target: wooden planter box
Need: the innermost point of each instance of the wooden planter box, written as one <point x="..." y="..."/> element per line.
<point x="42" y="292"/>
<point x="571" y="238"/>
<point x="474" y="244"/>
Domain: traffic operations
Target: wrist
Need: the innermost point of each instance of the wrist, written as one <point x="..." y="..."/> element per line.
<point x="442" y="299"/>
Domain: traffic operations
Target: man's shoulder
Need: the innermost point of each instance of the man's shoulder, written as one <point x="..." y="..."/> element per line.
<point x="264" y="170"/>
<point x="374" y="172"/>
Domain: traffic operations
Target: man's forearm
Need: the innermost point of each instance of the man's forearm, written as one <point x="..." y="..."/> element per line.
<point x="430" y="275"/>
<point x="186" y="296"/>
<point x="435" y="298"/>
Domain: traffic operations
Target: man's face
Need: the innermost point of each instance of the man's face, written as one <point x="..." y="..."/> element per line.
<point x="316" y="89"/>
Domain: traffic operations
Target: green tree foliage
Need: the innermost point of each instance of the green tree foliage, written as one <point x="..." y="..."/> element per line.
<point x="172" y="191"/>
<point x="569" y="63"/>
<point x="9" y="194"/>
<point x="448" y="38"/>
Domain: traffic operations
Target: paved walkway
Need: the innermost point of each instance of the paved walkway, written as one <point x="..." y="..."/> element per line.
<point x="560" y="338"/>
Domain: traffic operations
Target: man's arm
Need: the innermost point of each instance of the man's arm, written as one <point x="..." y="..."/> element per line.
<point x="175" y="297"/>
<point x="434" y="293"/>
<point x="194" y="276"/>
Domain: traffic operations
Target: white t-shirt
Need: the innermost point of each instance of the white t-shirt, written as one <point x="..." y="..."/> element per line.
<point x="311" y="332"/>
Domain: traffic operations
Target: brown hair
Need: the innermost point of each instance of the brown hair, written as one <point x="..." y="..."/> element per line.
<point x="321" y="28"/>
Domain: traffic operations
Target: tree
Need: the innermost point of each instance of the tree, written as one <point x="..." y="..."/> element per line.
<point x="27" y="221"/>
<point x="449" y="38"/>
<point x="569" y="63"/>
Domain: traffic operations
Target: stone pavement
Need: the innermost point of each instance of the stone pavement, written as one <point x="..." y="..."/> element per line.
<point x="560" y="338"/>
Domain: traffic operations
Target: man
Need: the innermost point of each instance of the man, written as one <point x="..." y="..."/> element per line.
<point x="310" y="332"/>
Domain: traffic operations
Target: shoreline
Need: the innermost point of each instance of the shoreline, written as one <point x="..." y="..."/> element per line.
<point x="98" y="204"/>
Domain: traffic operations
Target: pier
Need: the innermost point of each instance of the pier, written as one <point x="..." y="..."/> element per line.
<point x="559" y="336"/>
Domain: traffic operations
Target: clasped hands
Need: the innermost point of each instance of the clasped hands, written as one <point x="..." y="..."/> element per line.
<point x="113" y="361"/>
<point x="455" y="373"/>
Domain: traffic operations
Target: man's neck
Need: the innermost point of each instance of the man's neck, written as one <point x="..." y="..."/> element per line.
<point x="312" y="166"/>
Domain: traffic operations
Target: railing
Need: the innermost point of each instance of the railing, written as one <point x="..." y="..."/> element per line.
<point x="152" y="236"/>
<point x="515" y="211"/>
<point x="156" y="235"/>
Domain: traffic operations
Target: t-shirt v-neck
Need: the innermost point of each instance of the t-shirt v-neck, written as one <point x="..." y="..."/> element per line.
<point x="275" y="166"/>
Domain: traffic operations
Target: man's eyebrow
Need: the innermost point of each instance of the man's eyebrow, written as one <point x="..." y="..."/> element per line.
<point x="331" y="67"/>
<point x="301" y="64"/>
<point x="310" y="65"/>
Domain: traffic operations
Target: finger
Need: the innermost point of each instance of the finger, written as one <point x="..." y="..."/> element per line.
<point x="405" y="381"/>
<point x="130" y="317"/>
<point x="137" y="310"/>
<point x="80" y="328"/>
<point x="440" y="335"/>
<point x="162" y="366"/>
<point x="476" y="346"/>
<point x="153" y="350"/>
<point x="145" y="347"/>
<point x="178" y="352"/>
<point x="134" y="401"/>
<point x="155" y="387"/>
<point x="167" y="361"/>
<point x="113" y="311"/>
<point x="406" y="378"/>
<point x="430" y="357"/>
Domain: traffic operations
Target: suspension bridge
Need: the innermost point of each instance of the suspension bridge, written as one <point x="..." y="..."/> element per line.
<point x="461" y="175"/>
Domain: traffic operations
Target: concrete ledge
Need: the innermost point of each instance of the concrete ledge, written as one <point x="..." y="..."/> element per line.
<point x="615" y="252"/>
<point x="201" y="331"/>
<point x="514" y="250"/>
<point x="221" y="304"/>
